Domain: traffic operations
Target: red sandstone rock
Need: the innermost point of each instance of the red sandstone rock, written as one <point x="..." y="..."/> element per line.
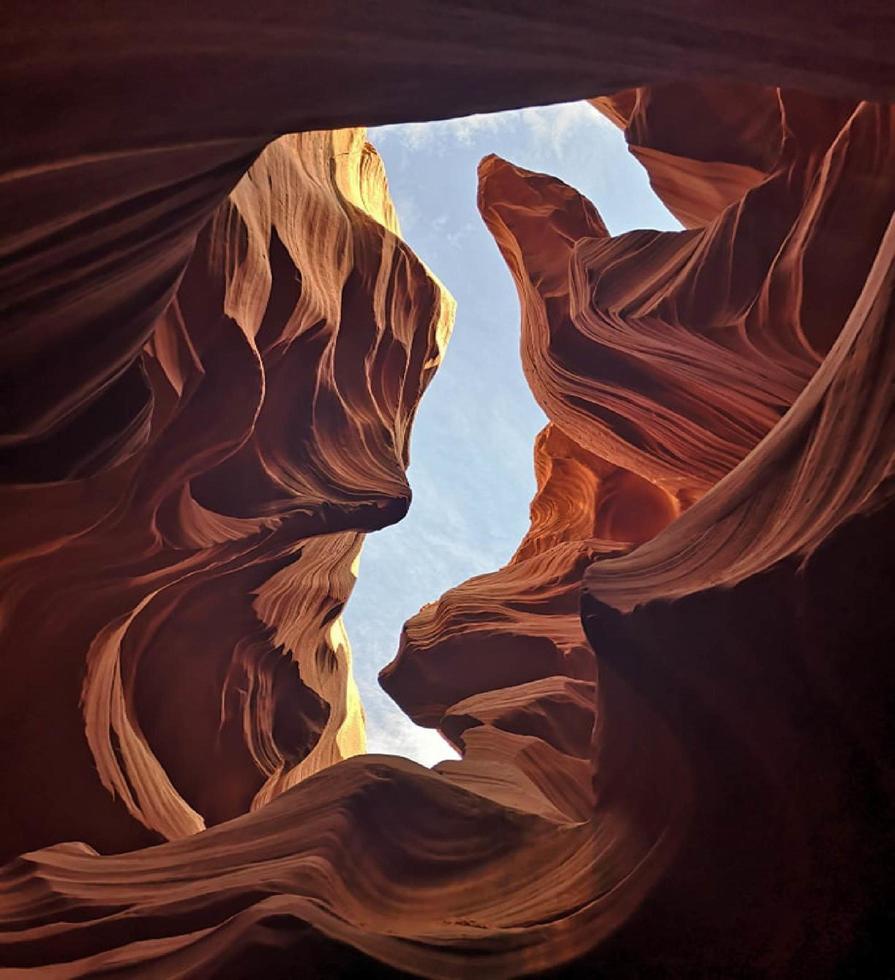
<point x="132" y="123"/>
<point x="672" y="353"/>
<point x="691" y="778"/>
<point x="199" y="581"/>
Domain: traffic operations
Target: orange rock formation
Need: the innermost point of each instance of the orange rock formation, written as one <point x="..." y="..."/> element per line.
<point x="199" y="576"/>
<point x="673" y="704"/>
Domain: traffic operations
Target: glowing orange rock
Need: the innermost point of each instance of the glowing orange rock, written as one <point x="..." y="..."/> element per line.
<point x="183" y="606"/>
<point x="673" y="703"/>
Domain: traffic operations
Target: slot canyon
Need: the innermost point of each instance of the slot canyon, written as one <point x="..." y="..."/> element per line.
<point x="672" y="707"/>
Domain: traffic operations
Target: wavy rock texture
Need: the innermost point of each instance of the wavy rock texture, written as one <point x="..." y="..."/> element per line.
<point x="673" y="353"/>
<point x="757" y="627"/>
<point x="200" y="578"/>
<point x="118" y="171"/>
<point x="522" y="623"/>
<point x="673" y="703"/>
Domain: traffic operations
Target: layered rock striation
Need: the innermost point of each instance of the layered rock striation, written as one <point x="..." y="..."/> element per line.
<point x="182" y="606"/>
<point x="672" y="704"/>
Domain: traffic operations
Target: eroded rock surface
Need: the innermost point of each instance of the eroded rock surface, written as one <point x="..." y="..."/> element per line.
<point x="673" y="704"/>
<point x="182" y="607"/>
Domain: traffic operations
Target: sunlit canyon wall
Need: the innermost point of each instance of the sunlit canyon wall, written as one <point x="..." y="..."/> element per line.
<point x="673" y="705"/>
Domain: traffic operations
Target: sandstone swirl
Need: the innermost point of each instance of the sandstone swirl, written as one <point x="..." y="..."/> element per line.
<point x="674" y="702"/>
<point x="199" y="578"/>
<point x="125" y="127"/>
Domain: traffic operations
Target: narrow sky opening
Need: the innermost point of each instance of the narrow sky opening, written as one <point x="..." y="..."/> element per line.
<point x="471" y="453"/>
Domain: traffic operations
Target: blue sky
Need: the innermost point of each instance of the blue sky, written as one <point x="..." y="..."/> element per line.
<point x="471" y="452"/>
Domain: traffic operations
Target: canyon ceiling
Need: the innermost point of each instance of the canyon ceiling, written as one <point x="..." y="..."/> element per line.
<point x="673" y="705"/>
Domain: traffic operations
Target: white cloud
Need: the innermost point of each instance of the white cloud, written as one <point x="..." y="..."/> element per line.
<point x="553" y="126"/>
<point x="396" y="734"/>
<point x="417" y="135"/>
<point x="409" y="217"/>
<point x="558" y="125"/>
